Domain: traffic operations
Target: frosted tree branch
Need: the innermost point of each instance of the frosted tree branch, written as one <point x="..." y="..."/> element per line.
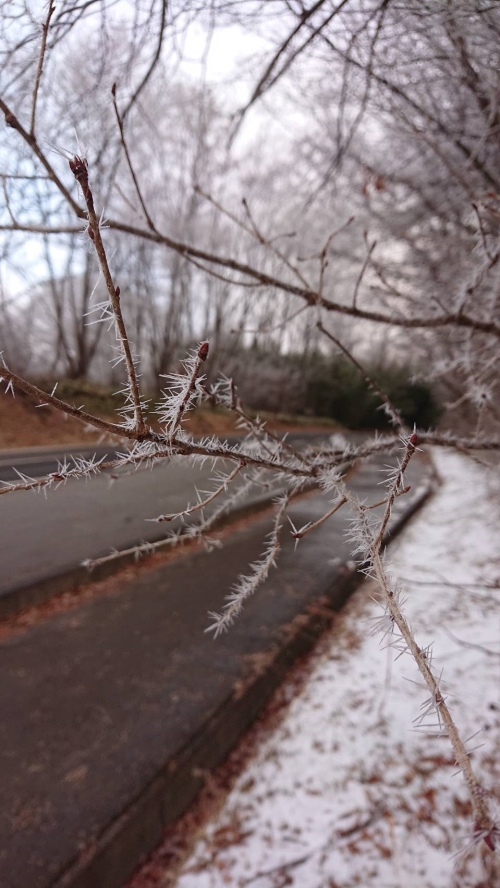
<point x="79" y="169"/>
<point x="484" y="826"/>
<point x="203" y="503"/>
<point x="247" y="584"/>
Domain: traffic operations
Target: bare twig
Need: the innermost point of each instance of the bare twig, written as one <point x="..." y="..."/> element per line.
<point x="299" y="534"/>
<point x="470" y="644"/>
<point x="369" y="250"/>
<point x="119" y="121"/>
<point x="79" y="169"/>
<point x="246" y="585"/>
<point x="38" y="77"/>
<point x="188" y="388"/>
<point x="391" y="410"/>
<point x="397" y="487"/>
<point x="254" y="231"/>
<point x="202" y="504"/>
<point x="30" y="139"/>
<point x="323" y="255"/>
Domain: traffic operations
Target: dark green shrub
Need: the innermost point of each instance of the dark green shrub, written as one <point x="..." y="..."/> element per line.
<point x="337" y="390"/>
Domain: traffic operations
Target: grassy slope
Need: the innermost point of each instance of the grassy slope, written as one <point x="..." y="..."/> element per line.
<point x="23" y="424"/>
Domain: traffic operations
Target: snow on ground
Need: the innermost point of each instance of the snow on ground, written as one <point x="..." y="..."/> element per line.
<point x="345" y="792"/>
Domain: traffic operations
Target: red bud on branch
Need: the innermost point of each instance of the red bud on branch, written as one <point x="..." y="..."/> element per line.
<point x="203" y="351"/>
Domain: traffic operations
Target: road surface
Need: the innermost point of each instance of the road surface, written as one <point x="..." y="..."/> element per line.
<point x="113" y="711"/>
<point x="45" y="534"/>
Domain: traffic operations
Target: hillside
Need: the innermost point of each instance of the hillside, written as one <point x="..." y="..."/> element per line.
<point x="24" y="424"/>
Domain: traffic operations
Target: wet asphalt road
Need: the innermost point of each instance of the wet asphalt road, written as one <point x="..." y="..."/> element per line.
<point x="42" y="462"/>
<point x="46" y="534"/>
<point x="100" y="700"/>
<point x="36" y="461"/>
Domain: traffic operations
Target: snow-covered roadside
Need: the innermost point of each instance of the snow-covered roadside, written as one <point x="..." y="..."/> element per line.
<point x="345" y="793"/>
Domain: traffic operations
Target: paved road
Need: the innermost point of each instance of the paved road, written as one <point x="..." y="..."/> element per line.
<point x="44" y="535"/>
<point x="98" y="701"/>
<point x="38" y="461"/>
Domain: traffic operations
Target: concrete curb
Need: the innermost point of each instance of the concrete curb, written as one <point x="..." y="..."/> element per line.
<point x="113" y="857"/>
